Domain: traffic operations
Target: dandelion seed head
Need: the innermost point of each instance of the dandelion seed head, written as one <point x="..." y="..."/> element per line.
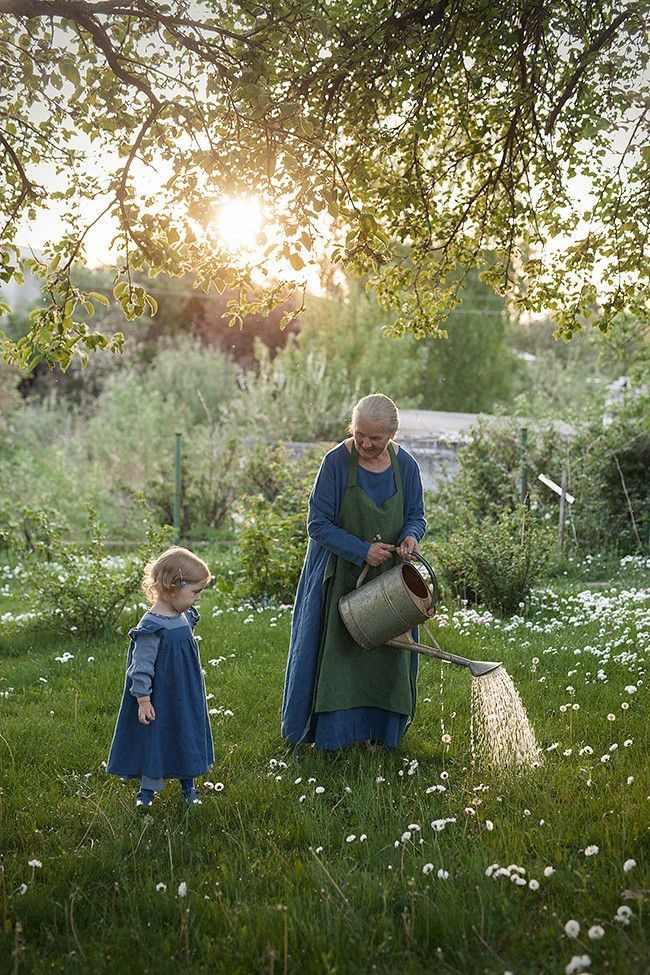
<point x="577" y="962"/>
<point x="572" y="928"/>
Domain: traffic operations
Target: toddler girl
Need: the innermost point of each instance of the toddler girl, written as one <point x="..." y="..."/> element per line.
<point x="163" y="729"/>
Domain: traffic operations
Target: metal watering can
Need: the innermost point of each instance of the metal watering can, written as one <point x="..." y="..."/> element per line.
<point x="384" y="611"/>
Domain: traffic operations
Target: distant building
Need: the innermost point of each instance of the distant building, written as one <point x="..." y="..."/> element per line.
<point x="434" y="437"/>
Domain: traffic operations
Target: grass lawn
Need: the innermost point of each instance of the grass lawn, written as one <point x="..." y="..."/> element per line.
<point x="330" y="863"/>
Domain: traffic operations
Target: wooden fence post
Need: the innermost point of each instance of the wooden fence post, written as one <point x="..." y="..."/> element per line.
<point x="560" y="527"/>
<point x="524" y="462"/>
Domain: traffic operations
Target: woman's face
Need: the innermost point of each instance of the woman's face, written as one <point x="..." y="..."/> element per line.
<point x="370" y="439"/>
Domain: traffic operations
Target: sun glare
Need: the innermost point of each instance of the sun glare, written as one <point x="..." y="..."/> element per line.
<point x="238" y="222"/>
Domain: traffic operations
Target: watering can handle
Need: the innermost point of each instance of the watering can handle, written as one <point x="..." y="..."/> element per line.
<point x="362" y="575"/>
<point x="420" y="558"/>
<point x="435" y="592"/>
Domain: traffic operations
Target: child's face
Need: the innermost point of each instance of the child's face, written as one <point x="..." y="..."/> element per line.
<point x="184" y="597"/>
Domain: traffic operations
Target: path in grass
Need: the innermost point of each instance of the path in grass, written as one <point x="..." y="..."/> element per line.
<point x="408" y="861"/>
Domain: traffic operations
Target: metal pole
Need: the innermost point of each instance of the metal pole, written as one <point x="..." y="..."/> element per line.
<point x="178" y="482"/>
<point x="524" y="462"/>
<point x="560" y="528"/>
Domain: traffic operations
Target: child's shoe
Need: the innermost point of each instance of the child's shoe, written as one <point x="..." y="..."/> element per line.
<point x="144" y="798"/>
<point x="191" y="797"/>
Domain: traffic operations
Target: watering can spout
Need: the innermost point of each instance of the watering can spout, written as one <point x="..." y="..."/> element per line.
<point x="478" y="668"/>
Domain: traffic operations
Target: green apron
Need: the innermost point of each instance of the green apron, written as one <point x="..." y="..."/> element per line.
<point x="347" y="676"/>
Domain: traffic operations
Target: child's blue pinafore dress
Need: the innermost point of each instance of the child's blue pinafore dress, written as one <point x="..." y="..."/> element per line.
<point x="178" y="744"/>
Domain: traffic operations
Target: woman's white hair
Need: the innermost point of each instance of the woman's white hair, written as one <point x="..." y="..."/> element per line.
<point x="376" y="408"/>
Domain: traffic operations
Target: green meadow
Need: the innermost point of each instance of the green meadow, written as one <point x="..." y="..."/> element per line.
<point x="415" y="860"/>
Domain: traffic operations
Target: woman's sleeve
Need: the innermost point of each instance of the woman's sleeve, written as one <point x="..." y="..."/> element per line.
<point x="142" y="668"/>
<point x="323" y="516"/>
<point x="414" y="523"/>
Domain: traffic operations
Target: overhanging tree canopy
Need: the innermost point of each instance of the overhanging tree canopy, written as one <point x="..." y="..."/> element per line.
<point x="415" y="141"/>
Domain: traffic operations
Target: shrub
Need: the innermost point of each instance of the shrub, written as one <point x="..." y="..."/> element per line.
<point x="607" y="467"/>
<point x="76" y="589"/>
<point x="272" y="526"/>
<point x="610" y="479"/>
<point x="496" y="562"/>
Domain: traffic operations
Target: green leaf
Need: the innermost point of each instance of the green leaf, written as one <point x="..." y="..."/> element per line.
<point x="70" y="71"/>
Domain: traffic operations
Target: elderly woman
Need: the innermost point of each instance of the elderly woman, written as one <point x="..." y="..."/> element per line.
<point x="366" y="506"/>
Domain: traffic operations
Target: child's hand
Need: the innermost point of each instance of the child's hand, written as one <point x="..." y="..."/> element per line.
<point x="146" y="712"/>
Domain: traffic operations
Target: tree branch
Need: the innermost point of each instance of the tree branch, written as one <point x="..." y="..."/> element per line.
<point x="27" y="188"/>
<point x="599" y="41"/>
<point x="82" y="14"/>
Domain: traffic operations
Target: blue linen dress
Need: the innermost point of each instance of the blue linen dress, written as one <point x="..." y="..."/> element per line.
<point x="163" y="660"/>
<point x="336" y="729"/>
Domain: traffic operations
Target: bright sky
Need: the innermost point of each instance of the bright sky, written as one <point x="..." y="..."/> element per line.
<point x="237" y="222"/>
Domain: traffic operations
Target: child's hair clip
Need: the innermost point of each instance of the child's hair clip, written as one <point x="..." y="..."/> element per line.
<point x="182" y="582"/>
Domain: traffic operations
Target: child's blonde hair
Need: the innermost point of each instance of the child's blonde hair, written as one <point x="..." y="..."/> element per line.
<point x="165" y="574"/>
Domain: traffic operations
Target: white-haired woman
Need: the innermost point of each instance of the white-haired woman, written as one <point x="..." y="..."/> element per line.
<point x="365" y="506"/>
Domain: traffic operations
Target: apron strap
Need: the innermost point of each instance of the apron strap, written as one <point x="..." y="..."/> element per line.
<point x="352" y="466"/>
<point x="394" y="462"/>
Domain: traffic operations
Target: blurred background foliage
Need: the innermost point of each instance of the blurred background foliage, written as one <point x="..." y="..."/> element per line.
<point x="100" y="434"/>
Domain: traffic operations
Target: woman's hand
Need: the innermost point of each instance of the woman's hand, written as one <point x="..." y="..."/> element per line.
<point x="146" y="713"/>
<point x="408" y="547"/>
<point x="379" y="552"/>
